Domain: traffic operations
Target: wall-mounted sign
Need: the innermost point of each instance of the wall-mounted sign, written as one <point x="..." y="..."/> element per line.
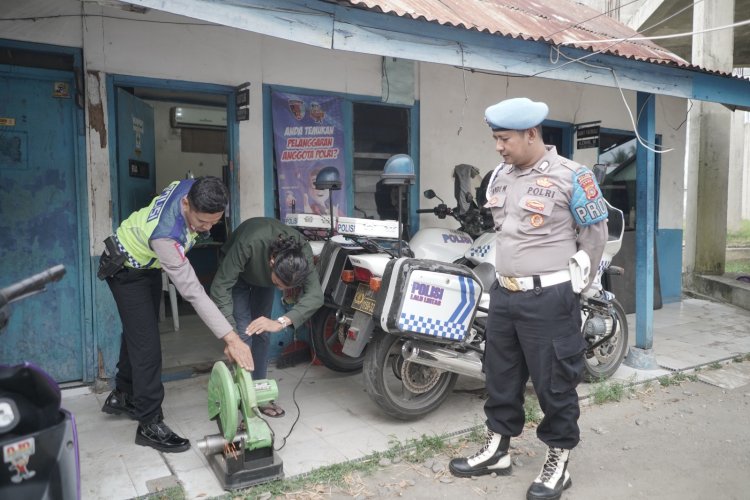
<point x="588" y="143"/>
<point x="585" y="132"/>
<point x="588" y="137"/>
<point x="7" y="122"/>
<point x="243" y="98"/>
<point x="137" y="131"/>
<point x="242" y="101"/>
<point x="137" y="168"/>
<point x="61" y="89"/>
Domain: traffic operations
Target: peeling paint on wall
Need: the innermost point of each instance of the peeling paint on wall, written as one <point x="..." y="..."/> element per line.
<point x="96" y="110"/>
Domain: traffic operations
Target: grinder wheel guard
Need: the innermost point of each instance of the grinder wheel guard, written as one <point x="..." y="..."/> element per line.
<point x="223" y="399"/>
<point x="228" y="394"/>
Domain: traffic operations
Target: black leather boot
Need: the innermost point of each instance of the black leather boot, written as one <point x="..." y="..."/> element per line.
<point x="493" y="457"/>
<point x="119" y="403"/>
<point x="554" y="477"/>
<point x="159" y="436"/>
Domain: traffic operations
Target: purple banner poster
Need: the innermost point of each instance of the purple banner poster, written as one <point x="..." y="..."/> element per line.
<point x="308" y="135"/>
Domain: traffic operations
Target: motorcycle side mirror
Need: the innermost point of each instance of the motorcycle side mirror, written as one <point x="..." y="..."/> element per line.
<point x="430" y="194"/>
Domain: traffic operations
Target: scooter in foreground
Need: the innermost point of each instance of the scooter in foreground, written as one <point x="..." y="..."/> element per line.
<point x="38" y="438"/>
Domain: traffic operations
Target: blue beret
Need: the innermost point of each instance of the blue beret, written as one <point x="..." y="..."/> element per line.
<point x="519" y="113"/>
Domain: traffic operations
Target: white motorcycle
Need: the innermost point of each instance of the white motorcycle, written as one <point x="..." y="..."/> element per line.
<point x="427" y="326"/>
<point x="361" y="250"/>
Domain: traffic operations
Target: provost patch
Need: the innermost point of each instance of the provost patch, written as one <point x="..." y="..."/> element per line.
<point x="587" y="204"/>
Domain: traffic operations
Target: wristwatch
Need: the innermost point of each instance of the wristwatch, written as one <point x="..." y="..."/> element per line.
<point x="284" y="321"/>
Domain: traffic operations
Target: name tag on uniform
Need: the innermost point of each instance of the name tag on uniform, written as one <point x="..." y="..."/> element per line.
<point x="537" y="204"/>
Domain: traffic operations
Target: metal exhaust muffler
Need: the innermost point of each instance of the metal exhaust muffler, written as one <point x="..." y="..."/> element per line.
<point x="467" y="363"/>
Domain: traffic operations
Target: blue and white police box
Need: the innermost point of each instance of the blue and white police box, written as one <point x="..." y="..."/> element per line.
<point x="427" y="298"/>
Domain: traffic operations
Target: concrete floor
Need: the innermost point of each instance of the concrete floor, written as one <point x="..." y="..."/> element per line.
<point x="337" y="421"/>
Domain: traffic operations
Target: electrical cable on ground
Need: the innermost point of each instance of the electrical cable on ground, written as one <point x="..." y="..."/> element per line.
<point x="294" y="399"/>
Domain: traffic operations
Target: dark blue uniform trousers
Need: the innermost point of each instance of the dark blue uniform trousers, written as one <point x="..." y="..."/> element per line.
<point x="137" y="294"/>
<point x="537" y="334"/>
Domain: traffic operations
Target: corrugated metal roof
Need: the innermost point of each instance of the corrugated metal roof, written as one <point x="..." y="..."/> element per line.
<point x="555" y="22"/>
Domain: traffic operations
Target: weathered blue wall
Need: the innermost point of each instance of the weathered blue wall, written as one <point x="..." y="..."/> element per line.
<point x="669" y="253"/>
<point x="107" y="328"/>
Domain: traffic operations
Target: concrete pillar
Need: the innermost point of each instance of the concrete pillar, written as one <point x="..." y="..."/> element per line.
<point x="746" y="166"/>
<point x="736" y="171"/>
<point x="708" y="168"/>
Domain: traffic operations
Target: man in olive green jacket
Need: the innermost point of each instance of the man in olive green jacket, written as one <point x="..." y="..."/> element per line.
<point x="263" y="253"/>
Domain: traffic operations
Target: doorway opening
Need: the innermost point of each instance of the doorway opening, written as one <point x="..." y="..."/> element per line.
<point x="164" y="135"/>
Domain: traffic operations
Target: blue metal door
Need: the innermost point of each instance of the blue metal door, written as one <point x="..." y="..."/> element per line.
<point x="40" y="221"/>
<point x="136" y="153"/>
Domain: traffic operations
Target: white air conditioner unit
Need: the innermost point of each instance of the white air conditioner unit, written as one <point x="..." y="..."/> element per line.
<point x="194" y="117"/>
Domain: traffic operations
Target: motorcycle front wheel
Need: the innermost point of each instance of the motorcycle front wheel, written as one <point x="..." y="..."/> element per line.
<point x="604" y="360"/>
<point x="327" y="338"/>
<point x="402" y="389"/>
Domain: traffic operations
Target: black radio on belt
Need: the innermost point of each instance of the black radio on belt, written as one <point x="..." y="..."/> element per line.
<point x="113" y="259"/>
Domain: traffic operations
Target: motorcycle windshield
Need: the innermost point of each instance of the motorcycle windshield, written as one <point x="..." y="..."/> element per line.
<point x="462" y="186"/>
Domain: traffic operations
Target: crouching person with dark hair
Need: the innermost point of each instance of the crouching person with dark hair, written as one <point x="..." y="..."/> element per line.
<point x="263" y="254"/>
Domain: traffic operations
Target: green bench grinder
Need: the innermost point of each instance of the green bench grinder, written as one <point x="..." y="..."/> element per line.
<point x="242" y="454"/>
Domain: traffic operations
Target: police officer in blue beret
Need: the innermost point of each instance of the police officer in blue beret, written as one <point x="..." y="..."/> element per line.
<point x="546" y="209"/>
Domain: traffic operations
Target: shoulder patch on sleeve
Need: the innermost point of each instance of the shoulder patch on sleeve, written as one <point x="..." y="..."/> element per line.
<point x="587" y="203"/>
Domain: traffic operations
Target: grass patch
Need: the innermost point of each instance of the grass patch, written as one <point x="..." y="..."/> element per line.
<point x="740" y="266"/>
<point x="477" y="434"/>
<point x="715" y="365"/>
<point x="532" y="412"/>
<point x="340" y="475"/>
<point x="417" y="450"/>
<point x="173" y="493"/>
<point x="678" y="378"/>
<point x="740" y="238"/>
<point x="607" y="390"/>
<point x="666" y="381"/>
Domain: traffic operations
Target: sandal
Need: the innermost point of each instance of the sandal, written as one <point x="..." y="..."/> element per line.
<point x="272" y="410"/>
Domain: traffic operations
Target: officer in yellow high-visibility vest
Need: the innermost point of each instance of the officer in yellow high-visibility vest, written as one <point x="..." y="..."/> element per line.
<point x="151" y="239"/>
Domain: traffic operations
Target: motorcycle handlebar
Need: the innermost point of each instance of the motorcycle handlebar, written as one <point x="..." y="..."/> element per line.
<point x="441" y="211"/>
<point x="32" y="284"/>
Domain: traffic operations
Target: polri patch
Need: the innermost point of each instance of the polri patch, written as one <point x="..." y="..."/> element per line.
<point x="536" y="220"/>
<point x="586" y="181"/>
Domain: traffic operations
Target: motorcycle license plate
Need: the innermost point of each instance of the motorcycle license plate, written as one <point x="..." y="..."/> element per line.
<point x="364" y="299"/>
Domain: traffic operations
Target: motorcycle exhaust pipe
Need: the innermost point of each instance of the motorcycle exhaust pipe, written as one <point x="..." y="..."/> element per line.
<point x="464" y="363"/>
<point x="215" y="443"/>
